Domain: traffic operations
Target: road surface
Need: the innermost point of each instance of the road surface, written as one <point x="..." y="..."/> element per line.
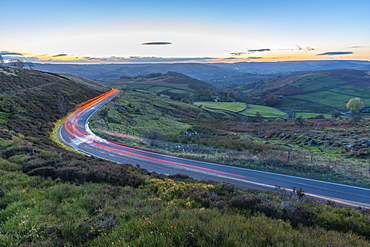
<point x="75" y="133"/>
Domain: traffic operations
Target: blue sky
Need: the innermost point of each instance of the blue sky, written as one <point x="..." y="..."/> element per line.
<point x="116" y="31"/>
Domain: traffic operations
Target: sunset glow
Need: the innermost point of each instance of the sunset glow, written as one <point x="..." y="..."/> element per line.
<point x="184" y="31"/>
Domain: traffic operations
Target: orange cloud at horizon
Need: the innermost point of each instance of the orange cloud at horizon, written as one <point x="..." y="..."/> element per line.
<point x="270" y="56"/>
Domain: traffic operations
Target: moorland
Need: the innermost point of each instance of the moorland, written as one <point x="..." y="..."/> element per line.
<point x="50" y="196"/>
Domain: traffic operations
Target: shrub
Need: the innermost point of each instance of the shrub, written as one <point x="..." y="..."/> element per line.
<point x="244" y="202"/>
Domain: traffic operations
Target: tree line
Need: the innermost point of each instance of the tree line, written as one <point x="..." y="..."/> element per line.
<point x="18" y="63"/>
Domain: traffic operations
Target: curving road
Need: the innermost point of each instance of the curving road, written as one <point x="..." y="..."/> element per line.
<point x="76" y="134"/>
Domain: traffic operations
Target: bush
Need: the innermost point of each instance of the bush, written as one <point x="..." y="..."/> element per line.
<point x="244" y="202"/>
<point x="356" y="119"/>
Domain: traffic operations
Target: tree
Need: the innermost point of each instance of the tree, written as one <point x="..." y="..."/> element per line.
<point x="230" y="95"/>
<point x="17" y="63"/>
<point x="30" y="65"/>
<point x="272" y="100"/>
<point x="336" y="114"/>
<point x="355" y="104"/>
<point x="258" y="116"/>
<point x="1" y="60"/>
<point x="299" y="121"/>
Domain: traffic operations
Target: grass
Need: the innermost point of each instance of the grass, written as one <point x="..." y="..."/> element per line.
<point x="228" y="106"/>
<point x="329" y="98"/>
<point x="249" y="110"/>
<point x="54" y="136"/>
<point x="311" y="115"/>
<point x="266" y="111"/>
<point x="163" y="212"/>
<point x="316" y="81"/>
<point x="147" y="114"/>
<point x="195" y="132"/>
<point x="352" y="91"/>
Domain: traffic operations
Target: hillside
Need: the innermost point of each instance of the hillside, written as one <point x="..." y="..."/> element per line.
<point x="201" y="71"/>
<point x="114" y="71"/>
<point x="171" y="84"/>
<point x="321" y="91"/>
<point x="53" y="197"/>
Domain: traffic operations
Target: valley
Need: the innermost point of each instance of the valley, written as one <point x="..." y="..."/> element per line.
<point x="51" y="196"/>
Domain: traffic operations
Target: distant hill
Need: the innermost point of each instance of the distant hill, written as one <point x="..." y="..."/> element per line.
<point x="114" y="71"/>
<point x="201" y="71"/>
<point x="170" y="84"/>
<point x="331" y="89"/>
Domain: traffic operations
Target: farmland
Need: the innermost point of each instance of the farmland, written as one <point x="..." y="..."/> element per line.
<point x="244" y="109"/>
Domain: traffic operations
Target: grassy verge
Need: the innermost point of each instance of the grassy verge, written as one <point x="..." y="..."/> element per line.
<point x="54" y="136"/>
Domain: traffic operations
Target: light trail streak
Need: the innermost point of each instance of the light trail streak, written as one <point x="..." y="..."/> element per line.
<point x="78" y="132"/>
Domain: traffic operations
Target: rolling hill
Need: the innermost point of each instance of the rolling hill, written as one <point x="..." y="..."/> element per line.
<point x="201" y="71"/>
<point x="318" y="91"/>
<point x="171" y="84"/>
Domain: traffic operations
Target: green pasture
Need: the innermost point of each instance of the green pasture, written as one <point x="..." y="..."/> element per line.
<point x="179" y="91"/>
<point x="311" y="115"/>
<point x="246" y="110"/>
<point x="130" y="86"/>
<point x="301" y="106"/>
<point x="266" y="111"/>
<point x="228" y="106"/>
<point x="352" y="91"/>
<point x="316" y="81"/>
<point x="158" y="89"/>
<point x="329" y="98"/>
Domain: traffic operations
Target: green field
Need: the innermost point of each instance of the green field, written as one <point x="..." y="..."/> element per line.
<point x="311" y="115"/>
<point x="329" y="98"/>
<point x="266" y="111"/>
<point x="228" y="106"/>
<point x="245" y="110"/>
<point x="352" y="91"/>
<point x="179" y="91"/>
<point x="316" y="81"/>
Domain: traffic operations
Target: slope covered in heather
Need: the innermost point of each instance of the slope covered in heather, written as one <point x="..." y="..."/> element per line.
<point x="53" y="197"/>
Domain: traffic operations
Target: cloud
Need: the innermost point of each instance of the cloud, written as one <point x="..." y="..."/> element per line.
<point x="8" y="53"/>
<point x="335" y="53"/>
<point x="60" y="55"/>
<point x="356" y="46"/>
<point x="255" y="57"/>
<point x="157" y="43"/>
<point x="307" y="48"/>
<point x="237" y="53"/>
<point x="258" y="50"/>
<point x="137" y="59"/>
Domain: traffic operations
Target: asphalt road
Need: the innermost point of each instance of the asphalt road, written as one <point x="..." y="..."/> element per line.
<point x="76" y="134"/>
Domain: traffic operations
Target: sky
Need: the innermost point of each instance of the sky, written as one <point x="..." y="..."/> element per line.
<point x="121" y="31"/>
